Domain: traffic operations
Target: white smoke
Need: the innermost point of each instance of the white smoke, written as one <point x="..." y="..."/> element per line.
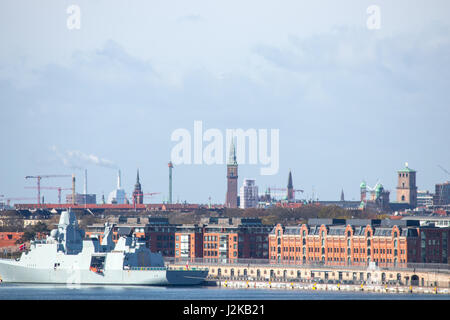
<point x="78" y="160"/>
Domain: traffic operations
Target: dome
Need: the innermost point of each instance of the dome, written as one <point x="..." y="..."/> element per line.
<point x="363" y="185"/>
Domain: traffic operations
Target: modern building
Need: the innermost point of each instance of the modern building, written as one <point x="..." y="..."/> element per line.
<point x="442" y="194"/>
<point x="436" y="221"/>
<point x="248" y="194"/>
<point x="357" y="242"/>
<point x="406" y="187"/>
<point x="82" y="198"/>
<point x="231" y="200"/>
<point x="424" y="199"/>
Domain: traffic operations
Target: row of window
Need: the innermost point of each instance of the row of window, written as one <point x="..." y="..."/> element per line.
<point x="323" y="235"/>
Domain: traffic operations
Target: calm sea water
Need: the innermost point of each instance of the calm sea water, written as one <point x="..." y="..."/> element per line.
<point x="62" y="292"/>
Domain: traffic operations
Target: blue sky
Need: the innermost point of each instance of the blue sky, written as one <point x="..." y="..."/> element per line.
<point x="350" y="103"/>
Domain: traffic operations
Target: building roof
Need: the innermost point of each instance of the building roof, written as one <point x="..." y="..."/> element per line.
<point x="406" y="169"/>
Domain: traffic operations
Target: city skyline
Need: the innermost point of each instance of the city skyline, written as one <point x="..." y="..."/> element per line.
<point x="350" y="103"/>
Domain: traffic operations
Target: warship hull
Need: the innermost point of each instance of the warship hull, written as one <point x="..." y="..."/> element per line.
<point x="11" y="271"/>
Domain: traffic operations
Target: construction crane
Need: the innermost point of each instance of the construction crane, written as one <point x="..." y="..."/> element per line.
<point x="38" y="178"/>
<point x="143" y="195"/>
<point x="52" y="188"/>
<point x="284" y="190"/>
<point x="442" y="188"/>
<point x="443" y="169"/>
<point x="8" y="200"/>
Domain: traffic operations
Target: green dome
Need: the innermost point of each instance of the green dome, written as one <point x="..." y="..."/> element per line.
<point x="379" y="187"/>
<point x="363" y="185"/>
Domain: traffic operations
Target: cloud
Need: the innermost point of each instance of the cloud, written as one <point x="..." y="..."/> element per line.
<point x="195" y="18"/>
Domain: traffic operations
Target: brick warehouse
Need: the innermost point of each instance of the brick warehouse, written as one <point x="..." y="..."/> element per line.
<point x="358" y="242"/>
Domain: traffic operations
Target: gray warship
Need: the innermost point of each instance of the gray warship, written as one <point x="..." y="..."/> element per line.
<point x="65" y="257"/>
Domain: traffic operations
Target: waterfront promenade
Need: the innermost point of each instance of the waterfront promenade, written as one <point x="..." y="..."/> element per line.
<point x="242" y="273"/>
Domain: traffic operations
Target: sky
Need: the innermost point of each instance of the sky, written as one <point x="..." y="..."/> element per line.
<point x="351" y="102"/>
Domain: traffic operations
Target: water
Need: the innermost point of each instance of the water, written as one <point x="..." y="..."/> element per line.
<point x="62" y="292"/>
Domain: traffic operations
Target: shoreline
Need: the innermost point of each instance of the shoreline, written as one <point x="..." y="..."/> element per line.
<point x="377" y="288"/>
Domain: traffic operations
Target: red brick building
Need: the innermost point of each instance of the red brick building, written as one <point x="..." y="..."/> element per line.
<point x="223" y="238"/>
<point x="358" y="242"/>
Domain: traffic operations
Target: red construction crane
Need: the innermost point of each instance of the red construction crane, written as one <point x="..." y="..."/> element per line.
<point x="52" y="188"/>
<point x="8" y="200"/>
<point x="38" y="178"/>
<point x="143" y="195"/>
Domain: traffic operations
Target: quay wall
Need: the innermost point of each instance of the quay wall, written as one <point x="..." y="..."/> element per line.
<point x="324" y="274"/>
<point x="249" y="284"/>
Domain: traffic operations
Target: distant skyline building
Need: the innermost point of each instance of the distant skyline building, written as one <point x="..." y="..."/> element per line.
<point x="81" y="199"/>
<point x="231" y="200"/>
<point x="406" y="187"/>
<point x="248" y="194"/>
<point x="377" y="200"/>
<point x="424" y="199"/>
<point x="442" y="194"/>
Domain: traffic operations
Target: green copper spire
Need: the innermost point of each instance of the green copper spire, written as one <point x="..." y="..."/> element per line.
<point x="232" y="156"/>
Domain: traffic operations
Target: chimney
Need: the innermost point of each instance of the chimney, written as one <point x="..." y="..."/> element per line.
<point x="85" y="181"/>
<point x="73" y="188"/>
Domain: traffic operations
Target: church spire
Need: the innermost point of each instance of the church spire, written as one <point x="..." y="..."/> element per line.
<point x="290" y="185"/>
<point x="232" y="156"/>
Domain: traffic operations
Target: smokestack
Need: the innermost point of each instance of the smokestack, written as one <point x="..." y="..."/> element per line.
<point x="170" y="181"/>
<point x="73" y="188"/>
<point x="85" y="181"/>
